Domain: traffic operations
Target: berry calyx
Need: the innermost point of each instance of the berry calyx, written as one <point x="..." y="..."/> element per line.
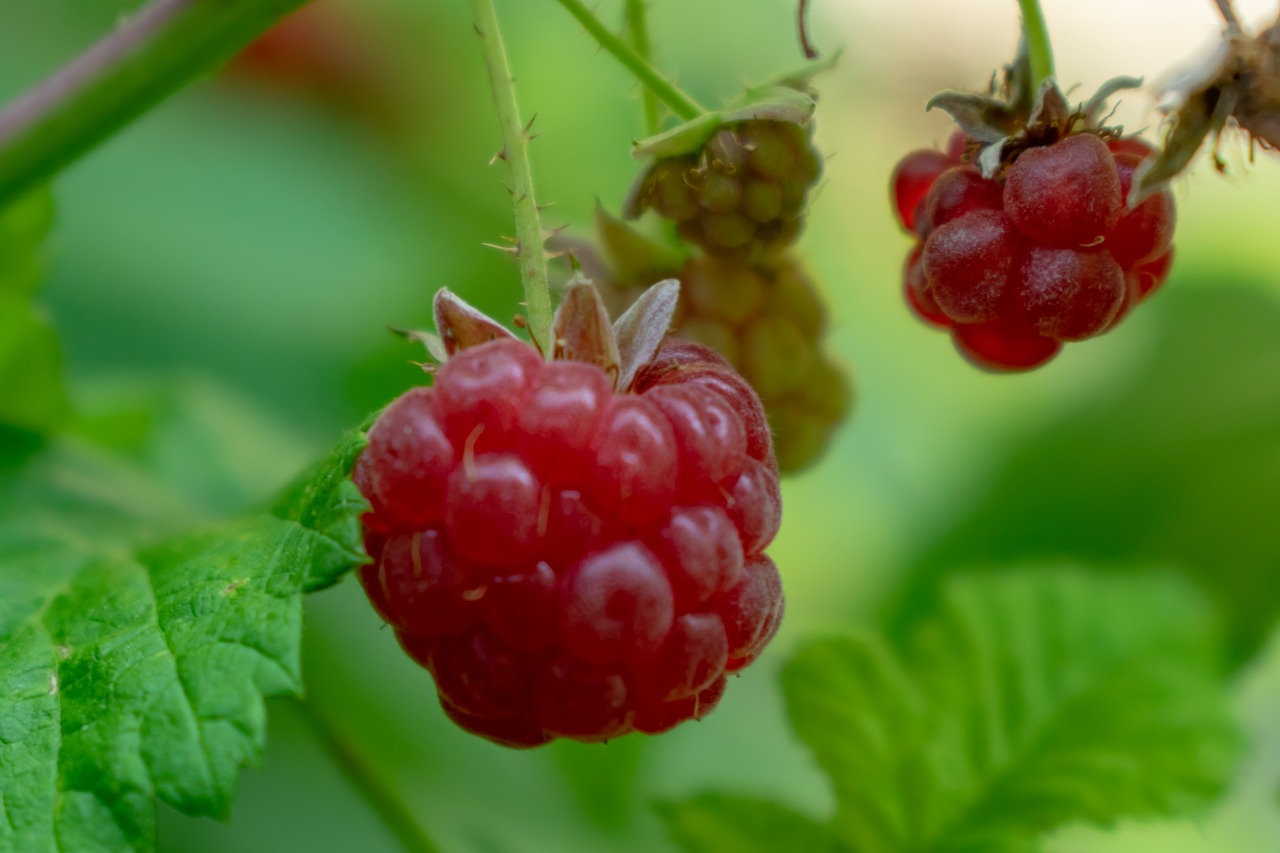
<point x="574" y="548"/>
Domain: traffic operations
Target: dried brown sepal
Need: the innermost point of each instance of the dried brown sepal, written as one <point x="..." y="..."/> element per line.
<point x="1238" y="84"/>
<point x="1092" y="112"/>
<point x="641" y="329"/>
<point x="985" y="118"/>
<point x="1259" y="111"/>
<point x="1012" y="116"/>
<point x="461" y="326"/>
<point x="581" y="330"/>
<point x="1050" y="120"/>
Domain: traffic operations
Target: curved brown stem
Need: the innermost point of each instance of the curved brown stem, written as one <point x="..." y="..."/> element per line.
<point x="810" y="52"/>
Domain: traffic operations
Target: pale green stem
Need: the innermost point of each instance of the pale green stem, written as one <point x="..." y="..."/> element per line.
<point x="679" y="102"/>
<point x="638" y="33"/>
<point x="149" y="56"/>
<point x="1039" y="50"/>
<point x="515" y="151"/>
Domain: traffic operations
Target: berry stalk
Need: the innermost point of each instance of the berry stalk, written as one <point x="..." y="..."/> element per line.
<point x="638" y="33"/>
<point x="149" y="56"/>
<point x="680" y="103"/>
<point x="515" y="151"/>
<point x="1039" y="50"/>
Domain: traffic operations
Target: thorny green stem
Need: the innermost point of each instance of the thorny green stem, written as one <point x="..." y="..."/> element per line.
<point x="1039" y="50"/>
<point x="515" y="151"/>
<point x="148" y="57"/>
<point x="679" y="102"/>
<point x="364" y="778"/>
<point x="638" y="33"/>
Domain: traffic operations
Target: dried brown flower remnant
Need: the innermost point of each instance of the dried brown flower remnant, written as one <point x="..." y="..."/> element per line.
<point x="1238" y="85"/>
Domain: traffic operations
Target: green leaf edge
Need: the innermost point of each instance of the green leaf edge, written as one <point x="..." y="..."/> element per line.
<point x="326" y="505"/>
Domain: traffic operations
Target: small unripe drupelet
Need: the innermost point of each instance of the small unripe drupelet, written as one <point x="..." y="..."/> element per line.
<point x="569" y="561"/>
<point x="744" y="192"/>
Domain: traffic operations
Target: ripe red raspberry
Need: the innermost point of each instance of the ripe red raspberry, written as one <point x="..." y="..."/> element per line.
<point x="743" y="192"/>
<point x="566" y="560"/>
<point x="916" y="173"/>
<point x="1044" y="252"/>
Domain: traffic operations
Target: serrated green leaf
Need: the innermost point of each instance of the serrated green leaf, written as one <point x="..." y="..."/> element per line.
<point x="1027" y="701"/>
<point x="715" y="823"/>
<point x="130" y="675"/>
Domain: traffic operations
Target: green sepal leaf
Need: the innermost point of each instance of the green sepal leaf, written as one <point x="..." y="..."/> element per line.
<point x="717" y="823"/>
<point x="797" y="78"/>
<point x="778" y="103"/>
<point x="637" y="258"/>
<point x="130" y="675"/>
<point x="1027" y="701"/>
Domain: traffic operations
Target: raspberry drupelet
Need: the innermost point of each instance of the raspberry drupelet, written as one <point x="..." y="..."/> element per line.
<point x="569" y="560"/>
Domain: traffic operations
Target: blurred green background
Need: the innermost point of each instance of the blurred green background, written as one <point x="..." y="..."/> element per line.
<point x="222" y="274"/>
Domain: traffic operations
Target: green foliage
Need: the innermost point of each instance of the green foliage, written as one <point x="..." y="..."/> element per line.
<point x="1180" y="466"/>
<point x="130" y="674"/>
<point x="1026" y="701"/>
<point x="603" y="779"/>
<point x="726" y="824"/>
<point x="34" y="398"/>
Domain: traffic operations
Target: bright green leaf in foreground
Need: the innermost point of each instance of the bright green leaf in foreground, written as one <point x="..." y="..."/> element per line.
<point x="1025" y="702"/>
<point x="30" y="358"/>
<point x="130" y="675"/>
<point x="1179" y="465"/>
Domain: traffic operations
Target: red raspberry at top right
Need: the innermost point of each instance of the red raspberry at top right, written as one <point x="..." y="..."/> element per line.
<point x="1027" y="241"/>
